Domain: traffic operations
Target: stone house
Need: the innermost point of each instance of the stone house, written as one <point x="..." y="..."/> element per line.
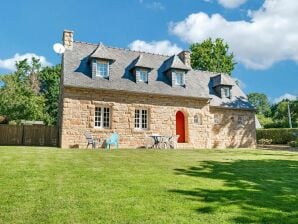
<point x="106" y="89"/>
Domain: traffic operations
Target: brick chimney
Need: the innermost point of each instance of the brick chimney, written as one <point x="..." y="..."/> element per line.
<point x="185" y="57"/>
<point x="68" y="39"/>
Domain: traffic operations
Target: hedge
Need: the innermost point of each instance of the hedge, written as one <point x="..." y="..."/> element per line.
<point x="278" y="135"/>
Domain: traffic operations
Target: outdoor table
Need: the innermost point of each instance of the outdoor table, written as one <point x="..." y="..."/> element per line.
<point x="157" y="140"/>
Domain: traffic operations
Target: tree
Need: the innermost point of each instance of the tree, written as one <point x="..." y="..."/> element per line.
<point x="280" y="112"/>
<point x="31" y="92"/>
<point x="212" y="56"/>
<point x="50" y="79"/>
<point x="18" y="99"/>
<point x="261" y="102"/>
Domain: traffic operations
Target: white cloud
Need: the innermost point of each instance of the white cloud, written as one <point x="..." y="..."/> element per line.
<point x="286" y="96"/>
<point x="270" y="36"/>
<point x="231" y="4"/>
<point x="157" y="47"/>
<point x="9" y="63"/>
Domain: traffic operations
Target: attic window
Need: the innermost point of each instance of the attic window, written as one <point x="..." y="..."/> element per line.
<point x="143" y="75"/>
<point x="179" y="78"/>
<point x="102" y="69"/>
<point x="226" y="92"/>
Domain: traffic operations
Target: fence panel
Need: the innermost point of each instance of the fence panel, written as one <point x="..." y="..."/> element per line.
<point x="30" y="135"/>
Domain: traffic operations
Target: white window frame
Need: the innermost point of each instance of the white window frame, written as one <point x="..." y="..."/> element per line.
<point x="140" y="70"/>
<point x="97" y="73"/>
<point x="228" y="93"/>
<point x="100" y="120"/>
<point x="138" y="121"/>
<point x="183" y="78"/>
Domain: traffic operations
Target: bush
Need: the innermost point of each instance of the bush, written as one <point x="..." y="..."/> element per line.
<point x="278" y="135"/>
<point x="294" y="143"/>
<point x="265" y="141"/>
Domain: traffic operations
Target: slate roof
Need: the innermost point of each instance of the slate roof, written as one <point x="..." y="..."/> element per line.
<point x="102" y="52"/>
<point x="142" y="61"/>
<point x="77" y="73"/>
<point x="222" y="79"/>
<point x="175" y="62"/>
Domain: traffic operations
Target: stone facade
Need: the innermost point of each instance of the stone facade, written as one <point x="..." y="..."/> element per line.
<point x="78" y="110"/>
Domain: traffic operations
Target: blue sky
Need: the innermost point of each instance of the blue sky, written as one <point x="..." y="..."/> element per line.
<point x="262" y="34"/>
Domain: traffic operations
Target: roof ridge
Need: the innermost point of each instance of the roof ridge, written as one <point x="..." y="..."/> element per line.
<point x="122" y="48"/>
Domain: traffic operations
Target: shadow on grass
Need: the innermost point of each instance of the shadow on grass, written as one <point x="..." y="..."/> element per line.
<point x="263" y="191"/>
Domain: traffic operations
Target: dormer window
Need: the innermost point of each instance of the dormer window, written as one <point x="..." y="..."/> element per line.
<point x="226" y="92"/>
<point x="143" y="75"/>
<point x="102" y="69"/>
<point x="179" y="78"/>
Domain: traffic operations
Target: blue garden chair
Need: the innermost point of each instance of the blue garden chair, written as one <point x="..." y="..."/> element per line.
<point x="113" y="140"/>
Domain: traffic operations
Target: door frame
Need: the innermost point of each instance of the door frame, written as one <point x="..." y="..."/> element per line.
<point x="185" y="125"/>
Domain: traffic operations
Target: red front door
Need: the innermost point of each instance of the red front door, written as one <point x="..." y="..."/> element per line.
<point x="180" y="126"/>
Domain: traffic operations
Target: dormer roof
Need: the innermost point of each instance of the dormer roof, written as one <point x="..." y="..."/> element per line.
<point x="143" y="62"/>
<point x="174" y="62"/>
<point x="101" y="52"/>
<point x="222" y="80"/>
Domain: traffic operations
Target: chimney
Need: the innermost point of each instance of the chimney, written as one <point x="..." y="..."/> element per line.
<point x="185" y="57"/>
<point x="68" y="39"/>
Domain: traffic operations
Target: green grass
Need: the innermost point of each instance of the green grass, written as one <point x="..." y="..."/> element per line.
<point x="47" y="185"/>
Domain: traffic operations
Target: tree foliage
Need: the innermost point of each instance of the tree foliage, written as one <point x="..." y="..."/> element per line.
<point x="261" y="102"/>
<point x="213" y="56"/>
<point x="26" y="93"/>
<point x="274" y="115"/>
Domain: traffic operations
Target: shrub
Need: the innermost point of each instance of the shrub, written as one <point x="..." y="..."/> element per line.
<point x="265" y="141"/>
<point x="294" y="143"/>
<point x="278" y="135"/>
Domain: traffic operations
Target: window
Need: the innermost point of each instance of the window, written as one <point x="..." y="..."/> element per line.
<point x="226" y="92"/>
<point x="217" y="119"/>
<point x="241" y="120"/>
<point x="102" y="69"/>
<point x="102" y="117"/>
<point x="180" y="79"/>
<point x="143" y="75"/>
<point x="197" y="119"/>
<point x="141" y="119"/>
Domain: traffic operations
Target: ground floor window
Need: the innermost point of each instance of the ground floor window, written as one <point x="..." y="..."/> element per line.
<point x="141" y="118"/>
<point x="102" y="117"/>
<point x="241" y="120"/>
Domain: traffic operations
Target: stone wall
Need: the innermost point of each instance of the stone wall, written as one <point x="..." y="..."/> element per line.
<point x="230" y="132"/>
<point x="79" y="109"/>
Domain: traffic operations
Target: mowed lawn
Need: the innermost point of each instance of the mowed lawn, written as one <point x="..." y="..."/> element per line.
<point x="48" y="185"/>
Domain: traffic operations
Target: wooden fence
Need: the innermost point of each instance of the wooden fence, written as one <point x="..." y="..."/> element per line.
<point x="29" y="135"/>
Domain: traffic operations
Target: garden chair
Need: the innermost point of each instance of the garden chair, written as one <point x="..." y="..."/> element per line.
<point x="113" y="140"/>
<point x="173" y="141"/>
<point x="91" y="140"/>
<point x="148" y="141"/>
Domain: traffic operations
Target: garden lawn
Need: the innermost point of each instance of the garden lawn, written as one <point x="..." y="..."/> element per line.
<point x="48" y="185"/>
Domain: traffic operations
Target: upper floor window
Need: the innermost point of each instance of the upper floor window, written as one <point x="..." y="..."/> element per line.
<point x="102" y="117"/>
<point x="180" y="78"/>
<point x="143" y="75"/>
<point x="226" y="91"/>
<point x="141" y="119"/>
<point x="102" y="69"/>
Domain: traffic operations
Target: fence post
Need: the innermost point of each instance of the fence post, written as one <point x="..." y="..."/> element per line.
<point x="23" y="135"/>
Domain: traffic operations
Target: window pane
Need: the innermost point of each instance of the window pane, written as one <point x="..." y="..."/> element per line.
<point x="143" y="76"/>
<point x="97" y="117"/>
<point x="179" y="78"/>
<point x="102" y="69"/>
<point x="106" y="118"/>
<point x="144" y="119"/>
<point x="137" y="118"/>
